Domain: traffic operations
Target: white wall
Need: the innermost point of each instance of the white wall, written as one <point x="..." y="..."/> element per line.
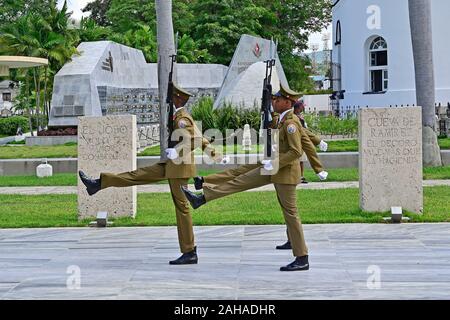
<point x="316" y="103"/>
<point x="395" y="30"/>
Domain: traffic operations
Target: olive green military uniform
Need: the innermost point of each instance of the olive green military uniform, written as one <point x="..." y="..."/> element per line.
<point x="308" y="143"/>
<point x="285" y="180"/>
<point x="177" y="174"/>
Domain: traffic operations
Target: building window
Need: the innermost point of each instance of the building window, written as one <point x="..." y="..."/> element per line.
<point x="338" y="33"/>
<point x="7" y="96"/>
<point x="378" y="65"/>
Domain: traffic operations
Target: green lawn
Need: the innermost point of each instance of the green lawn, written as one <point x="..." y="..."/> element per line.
<point x="316" y="206"/>
<point x="333" y="146"/>
<point x="444" y="143"/>
<point x="335" y="175"/>
<point x="69" y="150"/>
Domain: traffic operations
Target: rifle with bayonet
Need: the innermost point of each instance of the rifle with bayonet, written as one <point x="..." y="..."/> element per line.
<point x="266" y="102"/>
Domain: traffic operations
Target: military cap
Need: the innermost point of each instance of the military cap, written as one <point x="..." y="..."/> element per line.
<point x="177" y="91"/>
<point x="288" y="93"/>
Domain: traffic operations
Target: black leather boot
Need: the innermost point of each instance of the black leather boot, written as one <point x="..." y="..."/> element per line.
<point x="286" y="246"/>
<point x="194" y="199"/>
<point x="92" y="185"/>
<point x="186" y="258"/>
<point x="299" y="264"/>
<point x="198" y="183"/>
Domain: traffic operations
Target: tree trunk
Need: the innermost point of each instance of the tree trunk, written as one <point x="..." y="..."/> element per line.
<point x="27" y="90"/>
<point x="45" y="94"/>
<point x="37" y="81"/>
<point x="166" y="48"/>
<point x="422" y="44"/>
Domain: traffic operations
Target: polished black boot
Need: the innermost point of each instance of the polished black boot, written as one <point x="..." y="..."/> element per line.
<point x="299" y="264"/>
<point x="286" y="246"/>
<point x="186" y="258"/>
<point x="198" y="183"/>
<point x="194" y="199"/>
<point x="92" y="185"/>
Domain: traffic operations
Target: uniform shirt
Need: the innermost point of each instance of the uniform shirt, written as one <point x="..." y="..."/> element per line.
<point x="189" y="139"/>
<point x="290" y="149"/>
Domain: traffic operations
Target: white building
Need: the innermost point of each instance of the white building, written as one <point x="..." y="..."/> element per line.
<point x="8" y="92"/>
<point x="372" y="54"/>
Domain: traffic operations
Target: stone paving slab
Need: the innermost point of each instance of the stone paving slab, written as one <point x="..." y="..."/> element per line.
<point x="162" y="188"/>
<point x="235" y="262"/>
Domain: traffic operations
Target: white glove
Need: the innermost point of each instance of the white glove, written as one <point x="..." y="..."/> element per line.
<point x="322" y="175"/>
<point x="171" y="153"/>
<point x="323" y="146"/>
<point x="225" y="160"/>
<point x="267" y="164"/>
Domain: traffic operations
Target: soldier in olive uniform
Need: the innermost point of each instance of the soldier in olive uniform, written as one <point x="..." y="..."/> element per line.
<point x="177" y="170"/>
<point x="285" y="179"/>
<point x="308" y="143"/>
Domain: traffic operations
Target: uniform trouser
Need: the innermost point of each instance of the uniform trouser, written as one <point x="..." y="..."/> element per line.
<point x="227" y="175"/>
<point x="156" y="173"/>
<point x="287" y="198"/>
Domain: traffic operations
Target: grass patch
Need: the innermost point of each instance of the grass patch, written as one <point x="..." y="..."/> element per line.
<point x="333" y="146"/>
<point x="27" y="152"/>
<point x="444" y="143"/>
<point x="69" y="150"/>
<point x="17" y="142"/>
<point x="335" y="175"/>
<point x="250" y="208"/>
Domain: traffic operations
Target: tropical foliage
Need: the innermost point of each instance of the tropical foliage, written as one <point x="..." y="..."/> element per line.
<point x="209" y="31"/>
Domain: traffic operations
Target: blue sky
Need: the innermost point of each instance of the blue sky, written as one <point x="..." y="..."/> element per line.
<point x="77" y="5"/>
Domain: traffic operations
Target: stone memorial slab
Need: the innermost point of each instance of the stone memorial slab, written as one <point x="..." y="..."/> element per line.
<point x="107" y="144"/>
<point x="390" y="159"/>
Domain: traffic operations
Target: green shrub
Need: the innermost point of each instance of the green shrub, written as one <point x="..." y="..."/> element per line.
<point x="330" y="125"/>
<point x="8" y="126"/>
<point x="203" y="111"/>
<point x="226" y="117"/>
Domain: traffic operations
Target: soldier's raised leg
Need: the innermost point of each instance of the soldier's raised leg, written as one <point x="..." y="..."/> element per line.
<point x="224" y="176"/>
<point x="140" y="176"/>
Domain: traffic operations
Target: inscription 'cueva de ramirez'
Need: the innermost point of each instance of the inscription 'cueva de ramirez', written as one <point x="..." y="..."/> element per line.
<point x="385" y="121"/>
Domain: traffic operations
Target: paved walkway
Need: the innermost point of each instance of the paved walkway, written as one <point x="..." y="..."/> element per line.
<point x="160" y="188"/>
<point x="235" y="262"/>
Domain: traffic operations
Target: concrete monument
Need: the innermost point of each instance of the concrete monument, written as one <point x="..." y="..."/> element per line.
<point x="390" y="159"/>
<point x="107" y="144"/>
<point x="247" y="69"/>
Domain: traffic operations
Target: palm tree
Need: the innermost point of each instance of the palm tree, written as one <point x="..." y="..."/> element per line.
<point x="166" y="48"/>
<point x="422" y="44"/>
<point x="46" y="37"/>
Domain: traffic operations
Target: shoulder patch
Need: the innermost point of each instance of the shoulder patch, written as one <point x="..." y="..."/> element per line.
<point x="291" y="128"/>
<point x="182" y="123"/>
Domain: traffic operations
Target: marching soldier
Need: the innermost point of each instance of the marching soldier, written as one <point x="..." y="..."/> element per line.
<point x="308" y="143"/>
<point x="177" y="170"/>
<point x="285" y="179"/>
